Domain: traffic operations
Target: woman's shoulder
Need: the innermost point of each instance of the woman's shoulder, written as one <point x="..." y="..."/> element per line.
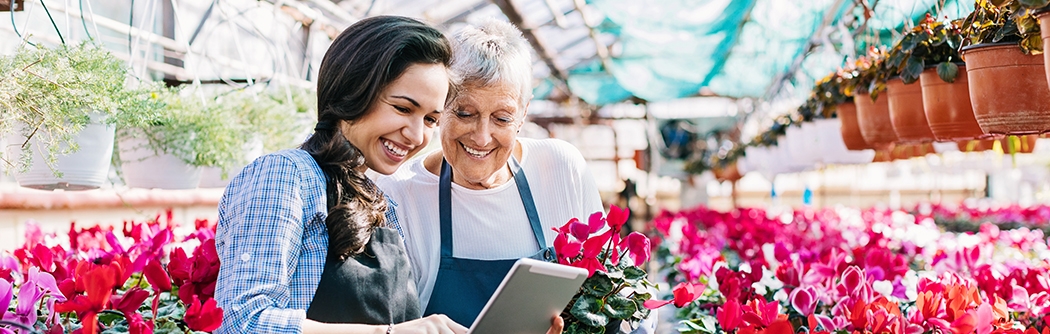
<point x="413" y="171"/>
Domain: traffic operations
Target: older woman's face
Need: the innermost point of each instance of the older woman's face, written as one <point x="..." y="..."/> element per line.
<point x="478" y="133"/>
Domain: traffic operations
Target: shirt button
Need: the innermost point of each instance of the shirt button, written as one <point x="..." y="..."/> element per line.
<point x="246" y="256"/>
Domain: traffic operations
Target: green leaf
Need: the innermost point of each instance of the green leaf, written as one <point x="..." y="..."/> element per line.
<point x="909" y="42"/>
<point x="615" y="275"/>
<point x="948" y="71"/>
<point x="598" y="285"/>
<point x="619" y="307"/>
<point x="634" y="273"/>
<point x="911" y="71"/>
<point x="588" y="312"/>
<point x="642" y="312"/>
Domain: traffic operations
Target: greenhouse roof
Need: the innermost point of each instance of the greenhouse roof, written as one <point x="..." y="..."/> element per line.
<point x="607" y="51"/>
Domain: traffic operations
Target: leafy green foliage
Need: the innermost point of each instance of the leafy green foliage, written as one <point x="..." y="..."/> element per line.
<point x="1004" y="21"/>
<point x="867" y="75"/>
<point x="617" y="294"/>
<point x="930" y="43"/>
<point x="50" y="94"/>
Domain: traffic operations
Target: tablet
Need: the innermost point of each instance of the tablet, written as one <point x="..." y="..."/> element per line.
<point x="528" y="298"/>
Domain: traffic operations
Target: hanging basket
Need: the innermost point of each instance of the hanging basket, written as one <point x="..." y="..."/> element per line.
<point x="948" y="108"/>
<point x="1007" y="95"/>
<point x="874" y="120"/>
<point x="143" y="167"/>
<point x="906" y="111"/>
<point x="850" y="129"/>
<point x="87" y="168"/>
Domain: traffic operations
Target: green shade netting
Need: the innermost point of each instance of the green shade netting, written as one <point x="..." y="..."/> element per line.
<point x="671" y="49"/>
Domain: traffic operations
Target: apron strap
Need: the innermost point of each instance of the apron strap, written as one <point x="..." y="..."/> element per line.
<point x="526" y="199"/>
<point x="445" y="205"/>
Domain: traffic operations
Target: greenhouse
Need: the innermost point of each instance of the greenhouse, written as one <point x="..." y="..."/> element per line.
<point x="525" y="166"/>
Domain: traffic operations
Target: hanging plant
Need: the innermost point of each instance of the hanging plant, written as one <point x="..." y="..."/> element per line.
<point x="1004" y="21"/>
<point x="867" y="75"/>
<point x="931" y="43"/>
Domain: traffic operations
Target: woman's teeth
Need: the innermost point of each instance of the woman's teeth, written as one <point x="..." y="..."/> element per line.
<point x="394" y="149"/>
<point x="476" y="153"/>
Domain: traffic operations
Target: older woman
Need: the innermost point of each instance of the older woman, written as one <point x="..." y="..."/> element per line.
<point x="487" y="198"/>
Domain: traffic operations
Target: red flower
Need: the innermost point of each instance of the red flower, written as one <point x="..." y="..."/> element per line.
<point x="98" y="281"/>
<point x="760" y="313"/>
<point x="203" y="317"/>
<point x="684" y="293"/>
<point x="729" y="315"/>
<point x="199" y="278"/>
<point x="129" y="304"/>
<point x="157" y="277"/>
<point x="638" y="246"/>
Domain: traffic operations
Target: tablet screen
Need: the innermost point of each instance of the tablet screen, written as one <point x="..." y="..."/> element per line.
<point x="528" y="298"/>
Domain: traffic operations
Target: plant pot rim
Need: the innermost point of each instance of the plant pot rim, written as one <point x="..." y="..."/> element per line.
<point x="1041" y="11"/>
<point x="989" y="45"/>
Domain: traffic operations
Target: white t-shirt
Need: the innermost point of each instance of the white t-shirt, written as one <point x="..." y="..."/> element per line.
<point x="491" y="224"/>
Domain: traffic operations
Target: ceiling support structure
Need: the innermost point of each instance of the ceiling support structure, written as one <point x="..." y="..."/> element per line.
<point x="511" y="11"/>
<point x="600" y="48"/>
<point x="778" y="83"/>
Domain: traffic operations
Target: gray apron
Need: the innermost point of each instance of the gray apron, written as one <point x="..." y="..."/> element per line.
<point x="375" y="287"/>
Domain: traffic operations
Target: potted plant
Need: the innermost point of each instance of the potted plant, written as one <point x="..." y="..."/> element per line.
<point x="835" y="123"/>
<point x="169" y="150"/>
<point x="926" y="45"/>
<point x="59" y="121"/>
<point x="270" y="120"/>
<point x="1040" y="9"/>
<point x="1001" y="50"/>
<point x="866" y="80"/>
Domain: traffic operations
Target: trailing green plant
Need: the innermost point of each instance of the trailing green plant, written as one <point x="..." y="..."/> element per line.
<point x="1004" y="21"/>
<point x="196" y="129"/>
<point x="931" y="43"/>
<point x="50" y="94"/>
<point x="273" y="116"/>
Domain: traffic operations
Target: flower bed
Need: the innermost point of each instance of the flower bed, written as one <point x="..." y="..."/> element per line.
<point x="858" y="271"/>
<point x="106" y="280"/>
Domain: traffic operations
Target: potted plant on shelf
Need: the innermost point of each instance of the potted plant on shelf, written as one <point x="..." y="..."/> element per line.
<point x="866" y="80"/>
<point x="918" y="51"/>
<point x="59" y="122"/>
<point x="169" y="150"/>
<point x="1001" y="49"/>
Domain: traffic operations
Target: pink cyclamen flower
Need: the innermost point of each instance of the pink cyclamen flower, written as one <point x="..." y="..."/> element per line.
<point x="638" y="246"/>
<point x="804" y="300"/>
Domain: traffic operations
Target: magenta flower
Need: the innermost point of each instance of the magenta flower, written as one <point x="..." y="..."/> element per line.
<point x="638" y="246"/>
<point x="6" y="293"/>
<point x="804" y="300"/>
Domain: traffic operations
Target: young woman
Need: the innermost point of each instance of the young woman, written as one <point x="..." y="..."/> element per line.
<point x="303" y="240"/>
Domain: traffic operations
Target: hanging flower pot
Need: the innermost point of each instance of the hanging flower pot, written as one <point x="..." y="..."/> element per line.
<point x="87" y="168"/>
<point x="874" y="120"/>
<point x="947" y="106"/>
<point x="1018" y="144"/>
<point x="727" y="173"/>
<point x="975" y="145"/>
<point x="906" y="111"/>
<point x="144" y="167"/>
<point x="850" y="129"/>
<point x="1007" y="97"/>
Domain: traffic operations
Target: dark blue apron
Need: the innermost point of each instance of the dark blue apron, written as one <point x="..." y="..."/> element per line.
<point x="463" y="286"/>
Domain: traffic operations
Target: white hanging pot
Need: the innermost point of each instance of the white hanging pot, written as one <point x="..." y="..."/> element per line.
<point x="87" y="168"/>
<point x="789" y="163"/>
<point x="834" y="149"/>
<point x="212" y="177"/>
<point x="743" y="165"/>
<point x="144" y="167"/>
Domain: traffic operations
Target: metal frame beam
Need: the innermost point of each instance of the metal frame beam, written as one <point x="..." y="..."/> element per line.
<point x="511" y="11"/>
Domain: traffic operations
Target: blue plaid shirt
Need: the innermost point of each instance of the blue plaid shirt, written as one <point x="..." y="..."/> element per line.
<point x="272" y="243"/>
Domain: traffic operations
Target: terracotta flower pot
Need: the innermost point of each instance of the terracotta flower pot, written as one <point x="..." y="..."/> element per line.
<point x="874" y="120"/>
<point x="906" y="112"/>
<point x="1007" y="95"/>
<point x="947" y="106"/>
<point x="850" y="129"/>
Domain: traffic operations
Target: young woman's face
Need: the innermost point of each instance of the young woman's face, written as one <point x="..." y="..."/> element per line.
<point x="478" y="133"/>
<point x="402" y="119"/>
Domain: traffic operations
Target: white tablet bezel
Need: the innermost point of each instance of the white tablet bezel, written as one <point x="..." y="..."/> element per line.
<point x="537" y="289"/>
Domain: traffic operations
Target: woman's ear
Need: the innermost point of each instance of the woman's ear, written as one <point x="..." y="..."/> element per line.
<point x="524" y="115"/>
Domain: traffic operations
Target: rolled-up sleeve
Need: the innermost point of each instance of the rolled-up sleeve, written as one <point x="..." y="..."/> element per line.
<point x="260" y="240"/>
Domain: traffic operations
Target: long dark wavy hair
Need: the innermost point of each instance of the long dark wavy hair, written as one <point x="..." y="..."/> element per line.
<point x="359" y="64"/>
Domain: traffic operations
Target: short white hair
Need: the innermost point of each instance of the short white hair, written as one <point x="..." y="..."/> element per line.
<point x="493" y="53"/>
